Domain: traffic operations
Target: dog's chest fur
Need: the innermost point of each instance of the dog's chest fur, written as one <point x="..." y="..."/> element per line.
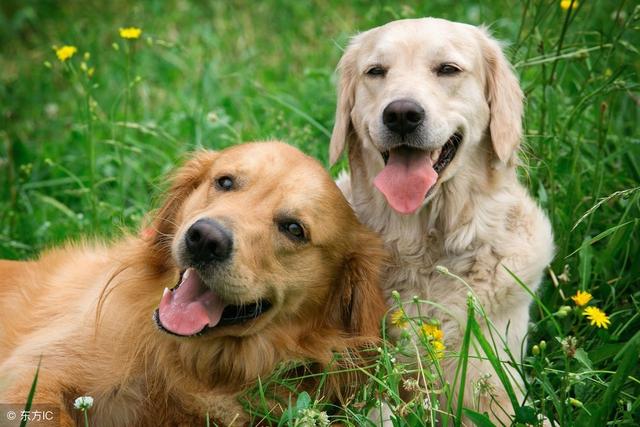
<point x="474" y="236"/>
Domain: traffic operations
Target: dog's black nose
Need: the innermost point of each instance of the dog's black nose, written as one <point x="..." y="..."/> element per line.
<point x="402" y="116"/>
<point x="208" y="241"/>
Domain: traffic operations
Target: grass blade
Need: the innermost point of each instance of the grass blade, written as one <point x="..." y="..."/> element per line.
<point x="494" y="360"/>
<point x="464" y="362"/>
<point x="32" y="392"/>
<point x="628" y="357"/>
<point x="600" y="236"/>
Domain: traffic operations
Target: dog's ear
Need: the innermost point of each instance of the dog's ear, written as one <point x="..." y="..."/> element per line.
<point x="357" y="304"/>
<point x="342" y="128"/>
<point x="183" y="181"/>
<point x="505" y="100"/>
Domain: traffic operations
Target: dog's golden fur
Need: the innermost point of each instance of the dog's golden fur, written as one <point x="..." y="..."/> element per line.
<point x="86" y="309"/>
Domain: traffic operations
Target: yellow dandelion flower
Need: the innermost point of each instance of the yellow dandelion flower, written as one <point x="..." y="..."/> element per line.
<point x="130" y="33"/>
<point x="399" y="319"/>
<point x="433" y="332"/>
<point x="65" y="52"/>
<point x="597" y="317"/>
<point x="582" y="298"/>
<point x="438" y="349"/>
<point x="566" y="4"/>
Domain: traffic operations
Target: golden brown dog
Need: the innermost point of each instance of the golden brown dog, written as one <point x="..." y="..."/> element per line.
<point x="256" y="259"/>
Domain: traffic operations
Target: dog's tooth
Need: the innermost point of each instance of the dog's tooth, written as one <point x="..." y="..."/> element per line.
<point x="166" y="291"/>
<point x="435" y="154"/>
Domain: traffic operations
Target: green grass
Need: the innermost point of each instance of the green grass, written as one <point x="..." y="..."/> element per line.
<point x="83" y="155"/>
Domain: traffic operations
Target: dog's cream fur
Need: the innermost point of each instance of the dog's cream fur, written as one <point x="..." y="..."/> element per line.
<point x="478" y="220"/>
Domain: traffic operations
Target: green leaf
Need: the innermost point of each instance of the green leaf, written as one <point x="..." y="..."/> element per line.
<point x="582" y="357"/>
<point x="480" y="420"/>
<point x="604" y="352"/>
<point x="303" y="402"/>
<point x="526" y="415"/>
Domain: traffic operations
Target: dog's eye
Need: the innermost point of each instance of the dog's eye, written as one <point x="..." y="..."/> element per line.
<point x="376" y="71"/>
<point x="292" y="229"/>
<point x="448" y="69"/>
<point x="225" y="183"/>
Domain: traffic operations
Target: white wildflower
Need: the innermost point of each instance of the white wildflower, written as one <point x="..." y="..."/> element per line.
<point x="312" y="418"/>
<point x="83" y="403"/>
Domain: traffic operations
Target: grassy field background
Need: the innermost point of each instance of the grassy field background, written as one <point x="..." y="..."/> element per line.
<point x="85" y="155"/>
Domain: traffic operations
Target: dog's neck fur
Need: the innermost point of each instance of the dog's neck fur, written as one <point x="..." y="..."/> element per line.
<point x="192" y="375"/>
<point x="452" y="212"/>
<point x="226" y="364"/>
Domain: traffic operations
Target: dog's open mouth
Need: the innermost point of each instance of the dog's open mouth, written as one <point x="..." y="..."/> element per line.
<point x="192" y="308"/>
<point x="410" y="173"/>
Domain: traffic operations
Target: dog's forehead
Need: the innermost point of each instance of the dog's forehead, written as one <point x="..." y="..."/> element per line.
<point x="286" y="181"/>
<point x="279" y="167"/>
<point x="414" y="38"/>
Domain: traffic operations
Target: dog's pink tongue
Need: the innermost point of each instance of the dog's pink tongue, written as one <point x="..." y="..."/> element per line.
<point x="406" y="179"/>
<point x="189" y="308"/>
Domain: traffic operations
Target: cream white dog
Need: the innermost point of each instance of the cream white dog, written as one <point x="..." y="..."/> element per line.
<point x="431" y="114"/>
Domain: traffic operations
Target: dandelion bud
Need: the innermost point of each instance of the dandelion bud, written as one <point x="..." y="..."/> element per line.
<point x="543" y="345"/>
<point x="212" y="117"/>
<point x="395" y="295"/>
<point x="26" y="169"/>
<point x="442" y="269"/>
<point x="471" y="300"/>
<point x="86" y="56"/>
<point x="575" y="402"/>
<point x="47" y="64"/>
<point x="115" y="46"/>
<point x="603" y="107"/>
<point x="535" y="350"/>
<point x="563" y="311"/>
